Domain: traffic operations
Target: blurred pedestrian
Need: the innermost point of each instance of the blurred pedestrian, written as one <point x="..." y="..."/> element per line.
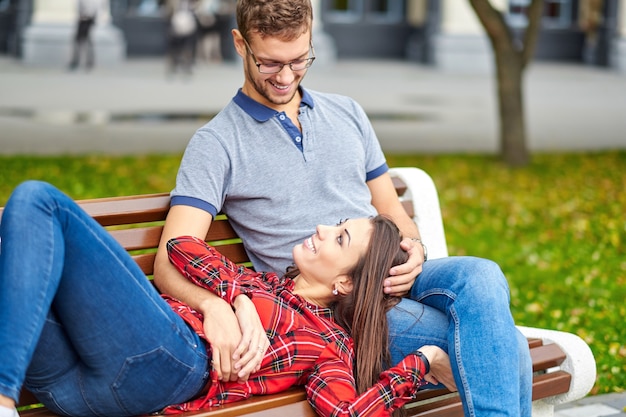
<point x="183" y="29"/>
<point x="87" y="14"/>
<point x="591" y="19"/>
<point x="208" y="41"/>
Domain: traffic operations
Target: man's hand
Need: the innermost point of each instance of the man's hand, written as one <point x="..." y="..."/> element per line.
<point x="254" y="341"/>
<point x="440" y="369"/>
<point x="403" y="276"/>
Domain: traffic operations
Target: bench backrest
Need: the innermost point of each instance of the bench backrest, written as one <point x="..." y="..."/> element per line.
<point x="136" y="222"/>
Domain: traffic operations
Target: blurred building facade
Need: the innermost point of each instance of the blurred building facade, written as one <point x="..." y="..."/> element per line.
<point x="445" y="33"/>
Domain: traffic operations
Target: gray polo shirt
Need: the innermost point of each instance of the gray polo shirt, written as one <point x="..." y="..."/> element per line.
<point x="276" y="183"/>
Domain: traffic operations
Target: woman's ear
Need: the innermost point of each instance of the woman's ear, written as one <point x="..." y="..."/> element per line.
<point x="343" y="285"/>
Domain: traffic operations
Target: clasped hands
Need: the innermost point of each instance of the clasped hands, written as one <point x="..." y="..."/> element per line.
<point x="237" y="338"/>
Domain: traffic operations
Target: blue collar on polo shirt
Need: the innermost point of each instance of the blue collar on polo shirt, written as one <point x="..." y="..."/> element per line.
<point x="262" y="113"/>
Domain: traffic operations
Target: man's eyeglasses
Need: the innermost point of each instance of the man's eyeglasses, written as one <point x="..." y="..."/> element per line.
<point x="276" y="67"/>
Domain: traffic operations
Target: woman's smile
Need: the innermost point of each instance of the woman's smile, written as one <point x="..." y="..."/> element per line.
<point x="309" y="244"/>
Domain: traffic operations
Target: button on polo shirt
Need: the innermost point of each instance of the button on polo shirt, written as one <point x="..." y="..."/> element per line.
<point x="263" y="113"/>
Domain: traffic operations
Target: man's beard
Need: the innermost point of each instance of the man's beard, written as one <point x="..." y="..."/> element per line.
<point x="263" y="90"/>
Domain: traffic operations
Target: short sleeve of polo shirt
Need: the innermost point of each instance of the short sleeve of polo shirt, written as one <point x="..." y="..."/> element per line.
<point x="203" y="174"/>
<point x="375" y="159"/>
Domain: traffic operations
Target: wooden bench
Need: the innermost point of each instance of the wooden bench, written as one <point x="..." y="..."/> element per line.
<point x="564" y="368"/>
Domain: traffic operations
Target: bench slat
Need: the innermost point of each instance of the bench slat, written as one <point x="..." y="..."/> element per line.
<point x="289" y="401"/>
<point x="38" y="412"/>
<point x="431" y="393"/>
<point x="552" y="383"/>
<point x="546" y="356"/>
<point x="148" y="237"/>
<point x="145" y="262"/>
<point x="399" y="185"/>
<point x="138" y="238"/>
<point x="300" y="409"/>
<point x="446" y="407"/>
<point x="534" y="342"/>
<point x="127" y="210"/>
<point x="408" y="207"/>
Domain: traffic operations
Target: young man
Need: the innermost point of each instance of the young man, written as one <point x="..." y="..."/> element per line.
<point x="279" y="159"/>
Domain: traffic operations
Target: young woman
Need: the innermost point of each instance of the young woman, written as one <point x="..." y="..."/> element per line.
<point x="86" y="332"/>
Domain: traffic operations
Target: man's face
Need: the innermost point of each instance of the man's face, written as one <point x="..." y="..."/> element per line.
<point x="279" y="89"/>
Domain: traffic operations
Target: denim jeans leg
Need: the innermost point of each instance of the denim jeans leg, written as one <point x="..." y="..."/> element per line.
<point x="95" y="336"/>
<point x="413" y="325"/>
<point x="491" y="365"/>
<point x="25" y="286"/>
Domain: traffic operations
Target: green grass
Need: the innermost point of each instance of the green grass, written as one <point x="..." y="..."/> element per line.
<point x="556" y="227"/>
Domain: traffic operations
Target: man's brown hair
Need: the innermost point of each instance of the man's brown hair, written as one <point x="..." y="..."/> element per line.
<point x="285" y="19"/>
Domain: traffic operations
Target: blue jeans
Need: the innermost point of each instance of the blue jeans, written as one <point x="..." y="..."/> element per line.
<point x="463" y="307"/>
<point x="80" y="324"/>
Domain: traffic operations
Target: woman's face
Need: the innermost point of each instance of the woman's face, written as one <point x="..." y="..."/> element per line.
<point x="333" y="250"/>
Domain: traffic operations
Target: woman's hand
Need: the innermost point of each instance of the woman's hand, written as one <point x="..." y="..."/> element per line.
<point x="222" y="330"/>
<point x="254" y="341"/>
<point x="440" y="369"/>
<point x="237" y="338"/>
<point x="403" y="276"/>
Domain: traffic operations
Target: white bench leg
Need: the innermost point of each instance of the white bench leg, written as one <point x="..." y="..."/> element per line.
<point x="542" y="409"/>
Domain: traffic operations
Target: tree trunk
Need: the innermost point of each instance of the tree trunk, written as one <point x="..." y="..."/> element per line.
<point x="513" y="147"/>
<point x="511" y="59"/>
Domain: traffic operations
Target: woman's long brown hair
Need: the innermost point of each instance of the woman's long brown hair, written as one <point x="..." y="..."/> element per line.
<point x="363" y="312"/>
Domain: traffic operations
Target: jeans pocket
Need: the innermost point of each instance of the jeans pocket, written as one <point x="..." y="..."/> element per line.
<point x="155" y="379"/>
<point x="50" y="401"/>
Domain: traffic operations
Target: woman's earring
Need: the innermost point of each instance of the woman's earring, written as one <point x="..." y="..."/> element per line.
<point x="335" y="292"/>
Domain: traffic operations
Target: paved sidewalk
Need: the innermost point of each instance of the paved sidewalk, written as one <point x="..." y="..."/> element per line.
<point x="134" y="108"/>
<point x="613" y="405"/>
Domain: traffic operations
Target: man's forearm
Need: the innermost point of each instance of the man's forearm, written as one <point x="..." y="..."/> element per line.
<point x="169" y="281"/>
<point x="407" y="227"/>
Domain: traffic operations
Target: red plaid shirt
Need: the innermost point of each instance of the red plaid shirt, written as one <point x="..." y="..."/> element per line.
<point x="307" y="347"/>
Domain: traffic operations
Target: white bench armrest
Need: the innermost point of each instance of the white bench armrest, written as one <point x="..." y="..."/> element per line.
<point x="423" y="192"/>
<point x="579" y="361"/>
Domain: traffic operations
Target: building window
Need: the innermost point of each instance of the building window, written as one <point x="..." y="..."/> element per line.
<point x="344" y="11"/>
<point x="350" y="11"/>
<point x="385" y="11"/>
<point x="380" y="6"/>
<point x="517" y="16"/>
<point x="150" y="8"/>
<point x="556" y="13"/>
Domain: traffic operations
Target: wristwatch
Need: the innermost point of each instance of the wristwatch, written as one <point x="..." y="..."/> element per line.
<point x="424" y="360"/>
<point x="417" y="239"/>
